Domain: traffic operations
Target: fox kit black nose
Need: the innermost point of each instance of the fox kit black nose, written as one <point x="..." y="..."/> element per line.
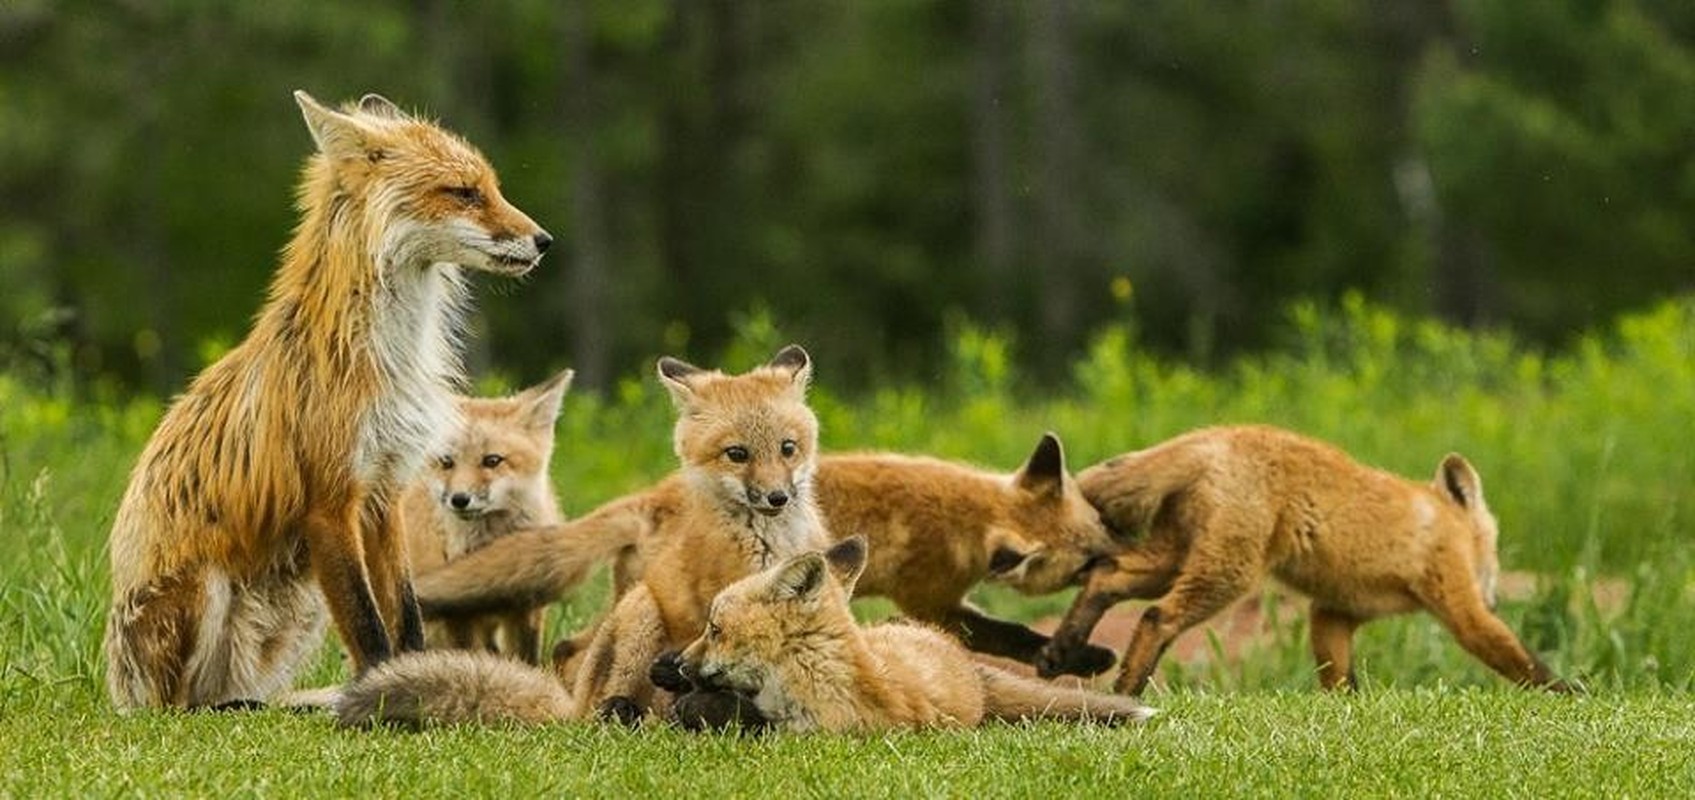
<point x="459" y="500"/>
<point x="542" y="241"/>
<point x="777" y="499"/>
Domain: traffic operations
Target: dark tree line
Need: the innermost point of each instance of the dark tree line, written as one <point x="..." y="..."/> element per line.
<point x="870" y="173"/>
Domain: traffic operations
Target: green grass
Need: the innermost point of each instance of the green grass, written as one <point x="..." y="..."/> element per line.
<point x="1585" y="458"/>
<point x="1433" y="741"/>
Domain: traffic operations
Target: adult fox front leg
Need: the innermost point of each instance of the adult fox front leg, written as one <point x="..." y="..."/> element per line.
<point x="274" y="474"/>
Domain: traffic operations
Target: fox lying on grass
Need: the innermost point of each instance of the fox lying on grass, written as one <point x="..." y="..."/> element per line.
<point x="1216" y="510"/>
<point x="936" y="530"/>
<point x="268" y="487"/>
<point x="785" y="641"/>
<point x="489" y="480"/>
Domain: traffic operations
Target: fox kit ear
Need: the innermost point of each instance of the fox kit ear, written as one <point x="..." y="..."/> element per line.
<point x="336" y="134"/>
<point x="678" y="377"/>
<point x="1458" y="480"/>
<point x="794" y="360"/>
<point x="1044" y="472"/>
<point x="800" y="578"/>
<point x="542" y="408"/>
<point x="377" y="105"/>
<point x="847" y="560"/>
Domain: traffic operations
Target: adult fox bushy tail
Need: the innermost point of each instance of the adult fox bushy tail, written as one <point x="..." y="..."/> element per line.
<point x="786" y="639"/>
<point x="1212" y="512"/>
<point x="487" y="481"/>
<point x="266" y="493"/>
<point x="936" y="528"/>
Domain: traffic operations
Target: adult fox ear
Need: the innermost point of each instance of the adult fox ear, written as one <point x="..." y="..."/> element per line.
<point x="846" y="559"/>
<point x="1456" y="479"/>
<point x="794" y="360"/>
<point x="542" y="401"/>
<point x="678" y="377"/>
<point x="1043" y="474"/>
<point x="800" y="578"/>
<point x="377" y="105"/>
<point x="337" y="135"/>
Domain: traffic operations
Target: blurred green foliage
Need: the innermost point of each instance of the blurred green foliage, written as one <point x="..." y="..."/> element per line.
<point x="873" y="176"/>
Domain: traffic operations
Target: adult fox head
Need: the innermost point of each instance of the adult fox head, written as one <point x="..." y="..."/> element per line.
<point x="748" y="440"/>
<point x="1054" y="536"/>
<point x="758" y="626"/>
<point x="497" y="462"/>
<point x="428" y="196"/>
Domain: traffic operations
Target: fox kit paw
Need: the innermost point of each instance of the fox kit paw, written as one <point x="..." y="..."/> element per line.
<point x="717" y="710"/>
<point x="1086" y="661"/>
<point x="667" y="673"/>
<point x="620" y="709"/>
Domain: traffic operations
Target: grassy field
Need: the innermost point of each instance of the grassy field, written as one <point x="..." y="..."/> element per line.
<point x="1586" y="460"/>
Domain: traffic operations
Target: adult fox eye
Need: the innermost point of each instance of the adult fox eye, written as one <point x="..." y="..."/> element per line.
<point x="469" y="195"/>
<point x="493" y="460"/>
<point x="737" y="454"/>
<point x="789" y="447"/>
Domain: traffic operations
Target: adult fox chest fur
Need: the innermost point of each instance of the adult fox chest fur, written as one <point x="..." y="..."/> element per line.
<point x="276" y="469"/>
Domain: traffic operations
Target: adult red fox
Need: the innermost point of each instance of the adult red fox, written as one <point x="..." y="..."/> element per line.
<point x="267" y="489"/>
<point x="489" y="480"/>
<point x="1214" y="511"/>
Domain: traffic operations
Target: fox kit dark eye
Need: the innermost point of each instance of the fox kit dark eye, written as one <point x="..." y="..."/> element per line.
<point x="493" y="460"/>
<point x="445" y="462"/>
<point x="712" y="630"/>
<point x="736" y="453"/>
<point x="469" y="195"/>
<point x="789" y="448"/>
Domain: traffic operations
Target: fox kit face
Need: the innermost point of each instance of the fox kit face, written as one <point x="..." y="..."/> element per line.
<point x="749" y="440"/>
<point x="770" y="620"/>
<point x="1055" y="535"/>
<point x="497" y="463"/>
<point x="435" y="196"/>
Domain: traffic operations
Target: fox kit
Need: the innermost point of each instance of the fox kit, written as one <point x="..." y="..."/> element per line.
<point x="272" y="477"/>
<point x="786" y="638"/>
<point x="1218" y="509"/>
<point x="489" y="480"/>
<point x="936" y="529"/>
<point x="779" y="649"/>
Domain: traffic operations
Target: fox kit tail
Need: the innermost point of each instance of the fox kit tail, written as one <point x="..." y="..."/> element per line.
<point x="1011" y="697"/>
<point x="452" y="687"/>
<point x="531" y="568"/>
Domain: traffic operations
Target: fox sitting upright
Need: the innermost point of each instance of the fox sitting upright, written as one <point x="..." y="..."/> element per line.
<point x="489" y="480"/>
<point x="748" y="446"/>
<point x="273" y="476"/>
<point x="786" y="639"/>
<point x="1216" y="510"/>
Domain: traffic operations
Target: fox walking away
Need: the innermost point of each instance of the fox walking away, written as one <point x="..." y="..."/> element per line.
<point x="278" y="467"/>
<point x="1215" y="511"/>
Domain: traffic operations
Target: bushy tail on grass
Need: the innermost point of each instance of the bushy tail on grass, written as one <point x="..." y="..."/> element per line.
<point x="452" y="687"/>
<point x="1011" y="697"/>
